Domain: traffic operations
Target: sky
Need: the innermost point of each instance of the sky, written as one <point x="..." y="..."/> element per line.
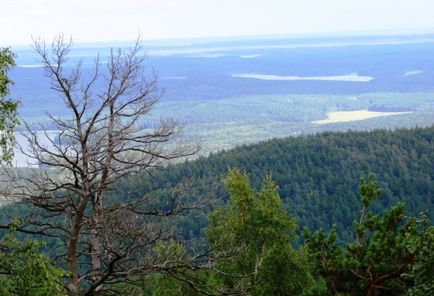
<point x="122" y="20"/>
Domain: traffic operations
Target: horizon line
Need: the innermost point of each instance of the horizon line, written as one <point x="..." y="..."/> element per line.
<point x="343" y="34"/>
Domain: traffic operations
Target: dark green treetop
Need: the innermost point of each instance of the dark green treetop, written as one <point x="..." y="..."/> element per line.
<point x="378" y="261"/>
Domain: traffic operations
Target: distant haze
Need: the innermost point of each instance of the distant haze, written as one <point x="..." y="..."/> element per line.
<point x="113" y="20"/>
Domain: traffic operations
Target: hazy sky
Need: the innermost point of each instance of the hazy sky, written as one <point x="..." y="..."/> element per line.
<point x="110" y="20"/>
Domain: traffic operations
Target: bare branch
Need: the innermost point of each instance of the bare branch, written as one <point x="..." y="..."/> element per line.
<point x="105" y="137"/>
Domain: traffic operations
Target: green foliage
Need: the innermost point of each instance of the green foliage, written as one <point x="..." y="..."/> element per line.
<point x="168" y="284"/>
<point x="252" y="234"/>
<point x="317" y="176"/>
<point x="6" y="63"/>
<point x="369" y="191"/>
<point x="8" y="107"/>
<point x="152" y="285"/>
<point x="165" y="285"/>
<point x="160" y="282"/>
<point x="377" y="261"/>
<point x="423" y="270"/>
<point x="24" y="271"/>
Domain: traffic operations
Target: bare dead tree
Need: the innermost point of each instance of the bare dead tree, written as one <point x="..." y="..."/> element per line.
<point x="105" y="138"/>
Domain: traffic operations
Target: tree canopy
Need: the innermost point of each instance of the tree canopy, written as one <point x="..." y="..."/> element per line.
<point x="384" y="252"/>
<point x="257" y="230"/>
<point x="8" y="107"/>
<point x="24" y="271"/>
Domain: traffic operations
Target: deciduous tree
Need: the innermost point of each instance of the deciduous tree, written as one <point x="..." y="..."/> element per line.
<point x="106" y="137"/>
<point x="255" y="232"/>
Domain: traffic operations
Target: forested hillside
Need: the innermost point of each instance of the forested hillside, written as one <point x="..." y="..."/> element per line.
<point x="317" y="175"/>
<point x="253" y="245"/>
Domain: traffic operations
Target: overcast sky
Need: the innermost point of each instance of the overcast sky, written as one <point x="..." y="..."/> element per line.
<point x="119" y="20"/>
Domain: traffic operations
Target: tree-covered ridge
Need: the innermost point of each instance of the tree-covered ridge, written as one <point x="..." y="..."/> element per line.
<point x="318" y="175"/>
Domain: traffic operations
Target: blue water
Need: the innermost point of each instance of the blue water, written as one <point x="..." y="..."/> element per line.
<point x="203" y="69"/>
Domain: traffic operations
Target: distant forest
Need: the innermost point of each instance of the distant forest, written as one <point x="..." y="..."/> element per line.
<point x="317" y="176"/>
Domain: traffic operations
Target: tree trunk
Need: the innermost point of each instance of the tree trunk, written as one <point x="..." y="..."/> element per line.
<point x="95" y="246"/>
<point x="74" y="285"/>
